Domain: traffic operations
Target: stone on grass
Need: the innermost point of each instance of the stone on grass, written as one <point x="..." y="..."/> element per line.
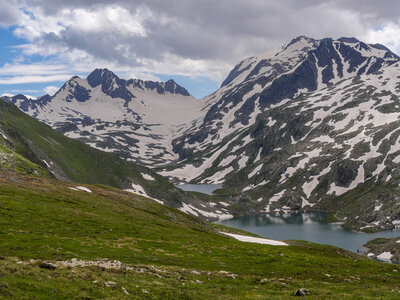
<point x="110" y="283"/>
<point x="48" y="265"/>
<point x="301" y="292"/>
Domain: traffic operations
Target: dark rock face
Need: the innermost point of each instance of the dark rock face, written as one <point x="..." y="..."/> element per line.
<point x="162" y="88"/>
<point x="110" y="84"/>
<point x="26" y="103"/>
<point x="348" y="40"/>
<point x="235" y="73"/>
<point x="287" y="85"/>
<point x="345" y="173"/>
<point x="79" y="93"/>
<point x="66" y="127"/>
<point x="172" y="87"/>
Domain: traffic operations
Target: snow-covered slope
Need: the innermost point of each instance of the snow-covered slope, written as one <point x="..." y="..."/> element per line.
<point x="257" y="84"/>
<point x="135" y="119"/>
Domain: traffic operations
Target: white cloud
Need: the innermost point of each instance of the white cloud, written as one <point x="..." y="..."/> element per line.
<point x="34" y="79"/>
<point x="24" y="91"/>
<point x="191" y="38"/>
<point x="107" y="19"/>
<point x="103" y="19"/>
<point x="138" y="75"/>
<point x="32" y="69"/>
<point x="387" y="35"/>
<point x="51" y="90"/>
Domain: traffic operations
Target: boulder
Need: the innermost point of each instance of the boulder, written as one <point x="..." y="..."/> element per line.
<point x="301" y="292"/>
<point x="48" y="265"/>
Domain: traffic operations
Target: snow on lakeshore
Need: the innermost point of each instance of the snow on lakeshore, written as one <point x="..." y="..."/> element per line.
<point x="250" y="239"/>
<point x="385" y="256"/>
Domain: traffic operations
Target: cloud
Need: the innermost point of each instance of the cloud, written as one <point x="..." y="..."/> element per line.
<point x="34" y="79"/>
<point x="143" y="76"/>
<point x="9" y="13"/>
<point x="34" y="73"/>
<point x="192" y="38"/>
<point x="24" y="91"/>
<point x="31" y="69"/>
<point x="51" y="90"/>
<point x="384" y="35"/>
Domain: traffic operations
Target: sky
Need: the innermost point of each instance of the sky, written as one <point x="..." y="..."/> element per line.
<point x="194" y="42"/>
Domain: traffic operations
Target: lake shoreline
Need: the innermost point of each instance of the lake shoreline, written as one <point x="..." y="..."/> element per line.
<point x="308" y="227"/>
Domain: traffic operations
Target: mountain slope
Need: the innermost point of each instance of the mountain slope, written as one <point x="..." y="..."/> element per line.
<point x="135" y="119"/>
<point x="108" y="243"/>
<point x="304" y="65"/>
<point x="301" y="139"/>
<point x="12" y="160"/>
<point x="71" y="160"/>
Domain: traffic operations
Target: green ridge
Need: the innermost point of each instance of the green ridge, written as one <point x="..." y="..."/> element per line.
<point x="71" y="160"/>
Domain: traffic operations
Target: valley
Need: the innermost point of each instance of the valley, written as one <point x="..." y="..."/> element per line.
<point x="93" y="195"/>
<point x="308" y="126"/>
<point x="199" y="149"/>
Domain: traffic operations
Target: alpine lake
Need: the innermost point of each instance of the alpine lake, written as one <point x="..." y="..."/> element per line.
<point x="297" y="226"/>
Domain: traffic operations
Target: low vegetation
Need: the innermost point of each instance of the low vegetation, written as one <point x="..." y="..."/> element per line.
<point x="161" y="252"/>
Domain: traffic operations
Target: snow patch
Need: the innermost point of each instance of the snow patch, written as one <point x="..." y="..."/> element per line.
<point x="147" y="176"/>
<point x="250" y="239"/>
<point x="385" y="256"/>
<point x="227" y="160"/>
<point x="190" y="209"/>
<point x="277" y="196"/>
<point x="255" y="171"/>
<point x="80" y="188"/>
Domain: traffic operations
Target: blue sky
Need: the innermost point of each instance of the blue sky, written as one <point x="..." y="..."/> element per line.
<point x="199" y="86"/>
<point x="196" y="43"/>
<point x="11" y="55"/>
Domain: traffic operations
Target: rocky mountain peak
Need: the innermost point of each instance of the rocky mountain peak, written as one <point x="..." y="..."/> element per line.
<point x="340" y="58"/>
<point x="104" y="77"/>
<point x="172" y="87"/>
<point x="110" y="83"/>
<point x="169" y="86"/>
<point x="352" y="40"/>
<point x="301" y="40"/>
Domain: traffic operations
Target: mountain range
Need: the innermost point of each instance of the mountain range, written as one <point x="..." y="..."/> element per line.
<point x="311" y="125"/>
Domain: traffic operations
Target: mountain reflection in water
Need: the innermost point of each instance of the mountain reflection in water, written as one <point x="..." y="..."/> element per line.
<point x="305" y="226"/>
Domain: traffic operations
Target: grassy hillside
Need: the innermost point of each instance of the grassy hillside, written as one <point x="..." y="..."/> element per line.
<point x="71" y="160"/>
<point x="11" y="160"/>
<point x="163" y="252"/>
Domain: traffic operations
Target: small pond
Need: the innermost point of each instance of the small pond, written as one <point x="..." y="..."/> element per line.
<point x="306" y="226"/>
